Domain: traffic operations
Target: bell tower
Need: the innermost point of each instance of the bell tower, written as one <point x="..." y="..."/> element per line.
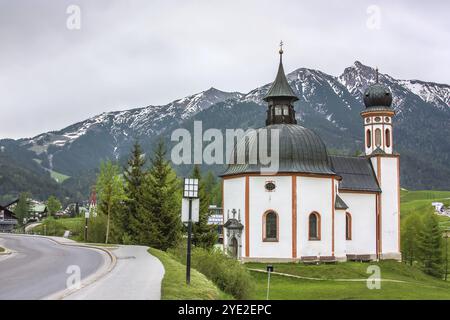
<point x="379" y="145"/>
<point x="280" y="98"/>
<point x="378" y="119"/>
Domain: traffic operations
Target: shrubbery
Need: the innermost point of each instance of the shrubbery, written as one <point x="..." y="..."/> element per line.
<point x="96" y="229"/>
<point x="50" y="227"/>
<point x="227" y="273"/>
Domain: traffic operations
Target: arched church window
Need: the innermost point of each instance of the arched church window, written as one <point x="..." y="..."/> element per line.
<point x="368" y="138"/>
<point x="286" y="110"/>
<point x="388" y="138"/>
<point x="348" y="226"/>
<point x="270" y="226"/>
<point x="314" y="226"/>
<point x="377" y="137"/>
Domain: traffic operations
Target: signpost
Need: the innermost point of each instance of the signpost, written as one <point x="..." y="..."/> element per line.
<point x="190" y="196"/>
<point x="446" y="236"/>
<point x="269" y="269"/>
<point x="86" y="217"/>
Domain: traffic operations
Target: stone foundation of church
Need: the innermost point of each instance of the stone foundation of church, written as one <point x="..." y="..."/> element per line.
<point x="373" y="257"/>
<point x="391" y="256"/>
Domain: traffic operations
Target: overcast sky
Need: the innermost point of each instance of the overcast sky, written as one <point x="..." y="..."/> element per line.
<point x="134" y="53"/>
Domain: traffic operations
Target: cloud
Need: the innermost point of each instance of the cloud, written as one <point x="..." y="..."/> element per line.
<point x="137" y="53"/>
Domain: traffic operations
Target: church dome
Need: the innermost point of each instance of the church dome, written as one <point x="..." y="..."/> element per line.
<point x="377" y="95"/>
<point x="299" y="149"/>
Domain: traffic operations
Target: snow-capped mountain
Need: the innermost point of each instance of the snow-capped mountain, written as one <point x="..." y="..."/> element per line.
<point x="132" y="123"/>
<point x="328" y="104"/>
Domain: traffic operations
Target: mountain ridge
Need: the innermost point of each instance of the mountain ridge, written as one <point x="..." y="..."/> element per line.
<point x="328" y="104"/>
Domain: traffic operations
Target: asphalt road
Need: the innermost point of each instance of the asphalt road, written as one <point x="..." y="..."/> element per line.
<point x="38" y="266"/>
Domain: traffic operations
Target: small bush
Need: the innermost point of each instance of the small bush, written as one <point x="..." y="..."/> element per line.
<point x="227" y="273"/>
<point x="50" y="227"/>
<point x="97" y="229"/>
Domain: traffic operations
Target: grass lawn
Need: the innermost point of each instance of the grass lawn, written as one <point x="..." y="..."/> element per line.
<point x="56" y="227"/>
<point x="416" y="286"/>
<point x="174" y="285"/>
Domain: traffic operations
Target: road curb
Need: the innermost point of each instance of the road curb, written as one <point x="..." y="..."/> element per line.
<point x="6" y="252"/>
<point x="102" y="271"/>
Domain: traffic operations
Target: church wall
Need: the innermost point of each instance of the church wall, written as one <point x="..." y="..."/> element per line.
<point x="314" y="194"/>
<point x="280" y="201"/>
<point x="234" y="198"/>
<point x="389" y="205"/>
<point x="362" y="207"/>
<point x="339" y="234"/>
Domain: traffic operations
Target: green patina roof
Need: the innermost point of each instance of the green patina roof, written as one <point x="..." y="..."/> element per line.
<point x="280" y="87"/>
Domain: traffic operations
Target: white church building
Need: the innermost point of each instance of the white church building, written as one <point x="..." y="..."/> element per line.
<point x="317" y="206"/>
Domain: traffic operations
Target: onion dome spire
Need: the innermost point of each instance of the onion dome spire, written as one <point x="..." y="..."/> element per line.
<point x="377" y="95"/>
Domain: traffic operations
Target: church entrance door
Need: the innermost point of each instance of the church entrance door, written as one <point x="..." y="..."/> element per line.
<point x="234" y="247"/>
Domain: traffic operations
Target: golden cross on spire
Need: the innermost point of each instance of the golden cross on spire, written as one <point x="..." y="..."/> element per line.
<point x="281" y="47"/>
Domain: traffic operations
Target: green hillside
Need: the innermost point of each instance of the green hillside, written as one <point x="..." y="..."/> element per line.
<point x="420" y="202"/>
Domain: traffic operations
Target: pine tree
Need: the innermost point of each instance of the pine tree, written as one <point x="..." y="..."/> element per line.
<point x="23" y="208"/>
<point x="409" y="239"/>
<point x="127" y="218"/>
<point x="159" y="222"/>
<point x="204" y="235"/>
<point x="110" y="191"/>
<point x="430" y="246"/>
<point x="213" y="188"/>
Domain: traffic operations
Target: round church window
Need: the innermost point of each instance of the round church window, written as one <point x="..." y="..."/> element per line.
<point x="387" y="119"/>
<point x="270" y="186"/>
<point x="377" y="119"/>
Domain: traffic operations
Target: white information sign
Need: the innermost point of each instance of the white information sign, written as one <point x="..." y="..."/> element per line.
<point x="185" y="210"/>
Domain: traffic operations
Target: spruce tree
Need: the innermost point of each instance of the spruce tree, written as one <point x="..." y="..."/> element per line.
<point x="409" y="238"/>
<point x="204" y="235"/>
<point x="134" y="175"/>
<point x="430" y="246"/>
<point x="213" y="188"/>
<point x="159" y="218"/>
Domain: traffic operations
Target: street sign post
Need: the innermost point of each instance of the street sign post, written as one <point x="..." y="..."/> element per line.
<point x="190" y="193"/>
<point x="185" y="210"/>
<point x="269" y="269"/>
<point x="86" y="217"/>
